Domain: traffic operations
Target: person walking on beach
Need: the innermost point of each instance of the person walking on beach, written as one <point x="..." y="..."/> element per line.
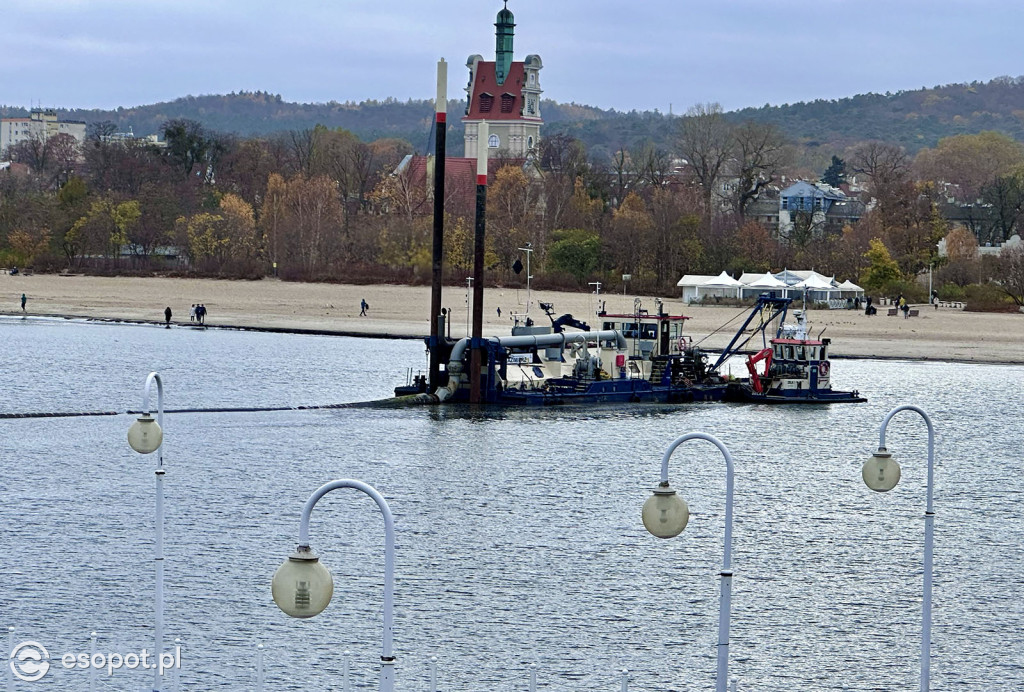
<point x="904" y="307"/>
<point x="499" y="313"/>
<point x="201" y="313"/>
<point x="362" y="307"/>
<point x="192" y="313"/>
<point x="23" y="301"/>
<point x="167" y="316"/>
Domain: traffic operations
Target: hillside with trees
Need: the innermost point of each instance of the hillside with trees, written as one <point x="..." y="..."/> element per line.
<point x="913" y="119"/>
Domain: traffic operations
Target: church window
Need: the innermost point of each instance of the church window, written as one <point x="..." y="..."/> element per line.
<point x="529" y="142"/>
<point x="507" y="102"/>
<point x="533" y="78"/>
<point x="493" y="142"/>
<point x="486" y="103"/>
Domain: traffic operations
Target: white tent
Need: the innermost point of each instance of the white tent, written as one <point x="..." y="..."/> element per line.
<point x="817" y="287"/>
<point x="690" y="284"/>
<point x="756" y="284"/>
<point x="721" y="285"/>
<point x="790" y="277"/>
<point x="848" y="289"/>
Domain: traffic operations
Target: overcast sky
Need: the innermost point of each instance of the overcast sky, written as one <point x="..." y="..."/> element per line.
<point x="623" y="54"/>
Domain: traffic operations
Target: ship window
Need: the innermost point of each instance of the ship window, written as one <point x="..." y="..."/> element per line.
<point x="778" y="352"/>
<point x="800" y="353"/>
<point x="824" y="354"/>
<point x="789" y="353"/>
<point x="814" y="353"/>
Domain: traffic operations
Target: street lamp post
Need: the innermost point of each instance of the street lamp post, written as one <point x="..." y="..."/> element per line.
<point x="145" y="437"/>
<point x="665" y="515"/>
<point x="529" y="277"/>
<point x="881" y="473"/>
<point x="469" y="293"/>
<point x="302" y="586"/>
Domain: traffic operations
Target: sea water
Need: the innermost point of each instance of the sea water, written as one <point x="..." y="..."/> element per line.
<point x="519" y="540"/>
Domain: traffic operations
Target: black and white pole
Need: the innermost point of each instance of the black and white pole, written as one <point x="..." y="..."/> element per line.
<point x="478" y="264"/>
<point x="441" y="136"/>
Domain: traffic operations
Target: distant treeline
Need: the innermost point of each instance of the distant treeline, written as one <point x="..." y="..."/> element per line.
<point x="913" y="119"/>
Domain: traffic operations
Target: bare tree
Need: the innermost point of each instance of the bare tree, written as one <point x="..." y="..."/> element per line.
<point x="63" y="156"/>
<point x="1011" y="265"/>
<point x="650" y="167"/>
<point x="761" y="154"/>
<point x="303" y="146"/>
<point x="706" y="143"/>
<point x="32" y="152"/>
<point x="886" y="166"/>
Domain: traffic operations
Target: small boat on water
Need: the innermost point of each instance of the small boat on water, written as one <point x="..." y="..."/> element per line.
<point x="795" y="369"/>
<point x="642" y="357"/>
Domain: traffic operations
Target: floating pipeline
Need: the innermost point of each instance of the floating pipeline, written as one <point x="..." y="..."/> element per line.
<point x="393" y="402"/>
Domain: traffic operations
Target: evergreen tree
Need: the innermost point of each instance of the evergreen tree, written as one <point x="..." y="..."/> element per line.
<point x="835" y="174"/>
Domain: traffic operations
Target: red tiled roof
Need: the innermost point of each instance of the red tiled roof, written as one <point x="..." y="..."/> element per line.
<point x="493" y="101"/>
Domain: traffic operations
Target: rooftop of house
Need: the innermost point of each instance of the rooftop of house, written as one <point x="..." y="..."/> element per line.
<point x="493" y="101"/>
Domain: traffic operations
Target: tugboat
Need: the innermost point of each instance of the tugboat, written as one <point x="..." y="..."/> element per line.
<point x="795" y="369"/>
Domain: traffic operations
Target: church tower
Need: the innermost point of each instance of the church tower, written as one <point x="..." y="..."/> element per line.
<point x="505" y="94"/>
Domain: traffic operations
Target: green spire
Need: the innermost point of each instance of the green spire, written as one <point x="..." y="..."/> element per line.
<point x="505" y="31"/>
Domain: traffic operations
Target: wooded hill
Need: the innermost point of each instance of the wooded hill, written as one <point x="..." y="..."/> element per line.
<point x="913" y="119"/>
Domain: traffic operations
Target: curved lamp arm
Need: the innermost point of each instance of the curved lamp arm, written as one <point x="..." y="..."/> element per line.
<point x="150" y="379"/>
<point x="931" y="444"/>
<point x="727" y="560"/>
<point x="389" y="547"/>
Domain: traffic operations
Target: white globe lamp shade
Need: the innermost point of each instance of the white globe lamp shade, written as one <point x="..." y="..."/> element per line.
<point x="881" y="473"/>
<point x="302" y="586"/>
<point x="665" y="514"/>
<point x="145" y="435"/>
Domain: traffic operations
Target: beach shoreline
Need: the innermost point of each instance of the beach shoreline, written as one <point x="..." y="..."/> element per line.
<point x="400" y="312"/>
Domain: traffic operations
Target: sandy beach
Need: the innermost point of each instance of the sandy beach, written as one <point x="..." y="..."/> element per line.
<point x="401" y="311"/>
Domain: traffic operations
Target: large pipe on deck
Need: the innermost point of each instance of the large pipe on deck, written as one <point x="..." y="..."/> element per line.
<point x="455" y="366"/>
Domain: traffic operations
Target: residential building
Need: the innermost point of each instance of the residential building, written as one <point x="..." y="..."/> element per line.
<point x="40" y="124"/>
<point x="505" y="94"/>
<point x="818" y="207"/>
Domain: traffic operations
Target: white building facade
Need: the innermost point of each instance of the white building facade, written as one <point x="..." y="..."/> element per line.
<point x="39" y="125"/>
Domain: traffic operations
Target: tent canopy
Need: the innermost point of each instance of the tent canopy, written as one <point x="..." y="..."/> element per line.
<point x="723" y="280"/>
<point x="694" y="280"/>
<point x="816" y="282"/>
<point x="762" y="281"/>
